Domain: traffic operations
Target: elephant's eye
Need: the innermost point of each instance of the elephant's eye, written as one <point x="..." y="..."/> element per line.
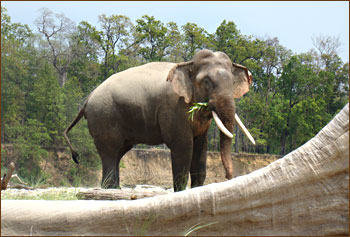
<point x="208" y="83"/>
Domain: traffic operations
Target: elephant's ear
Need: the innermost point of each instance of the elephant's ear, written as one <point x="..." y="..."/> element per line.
<point x="180" y="77"/>
<point x="243" y="80"/>
<point x="246" y="71"/>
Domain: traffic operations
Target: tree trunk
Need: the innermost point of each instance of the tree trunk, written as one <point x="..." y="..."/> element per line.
<point x="216" y="143"/>
<point x="284" y="142"/>
<point x="237" y="140"/>
<point x="62" y="77"/>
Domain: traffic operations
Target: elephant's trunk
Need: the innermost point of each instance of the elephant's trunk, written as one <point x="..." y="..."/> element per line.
<point x="225" y="152"/>
<point x="226" y="112"/>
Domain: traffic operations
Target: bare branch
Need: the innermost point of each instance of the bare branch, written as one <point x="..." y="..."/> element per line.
<point x="8" y="176"/>
<point x="327" y="44"/>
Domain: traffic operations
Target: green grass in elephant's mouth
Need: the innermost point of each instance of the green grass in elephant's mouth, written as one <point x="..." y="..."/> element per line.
<point x="195" y="108"/>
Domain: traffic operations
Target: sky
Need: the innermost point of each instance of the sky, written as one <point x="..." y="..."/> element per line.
<point x="294" y="23"/>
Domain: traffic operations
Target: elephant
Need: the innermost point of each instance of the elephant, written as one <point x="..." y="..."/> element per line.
<point x="149" y="104"/>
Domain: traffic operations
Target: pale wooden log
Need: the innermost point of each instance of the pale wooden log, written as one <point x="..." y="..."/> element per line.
<point x="304" y="193"/>
<point x="115" y="194"/>
<point x="19" y="180"/>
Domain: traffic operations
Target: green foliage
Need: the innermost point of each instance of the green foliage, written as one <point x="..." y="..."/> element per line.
<point x="113" y="36"/>
<point x="29" y="146"/>
<point x="45" y="80"/>
<point x="3" y="161"/>
<point x="194" y="38"/>
<point x="122" y="164"/>
<point x="45" y="102"/>
<point x="238" y="47"/>
<point x="13" y="31"/>
<point x="151" y="35"/>
<point x="196" y="107"/>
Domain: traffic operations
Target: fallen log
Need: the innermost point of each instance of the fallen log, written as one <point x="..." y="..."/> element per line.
<point x="305" y="193"/>
<point x="116" y="194"/>
<point x="20" y="186"/>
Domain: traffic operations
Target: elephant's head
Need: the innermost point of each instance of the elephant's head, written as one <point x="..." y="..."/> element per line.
<point x="212" y="77"/>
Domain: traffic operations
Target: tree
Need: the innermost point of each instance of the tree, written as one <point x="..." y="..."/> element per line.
<point x="152" y="37"/>
<point x="57" y="31"/>
<point x="15" y="77"/>
<point x="328" y="47"/>
<point x="113" y="38"/>
<point x="333" y="72"/>
<point x="174" y="51"/>
<point x="18" y="71"/>
<point x="85" y="70"/>
<point x="266" y="73"/>
<point x="226" y="36"/>
<point x="299" y="86"/>
<point x="194" y="38"/>
<point x="238" y="47"/>
<point x="14" y="31"/>
<point x="45" y="102"/>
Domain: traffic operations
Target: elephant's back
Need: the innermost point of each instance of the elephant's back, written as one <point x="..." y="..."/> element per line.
<point x="155" y="72"/>
<point x="138" y="90"/>
<point x="134" y="80"/>
<point x="137" y="79"/>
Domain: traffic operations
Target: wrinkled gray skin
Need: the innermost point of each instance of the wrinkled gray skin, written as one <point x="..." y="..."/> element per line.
<point x="149" y="104"/>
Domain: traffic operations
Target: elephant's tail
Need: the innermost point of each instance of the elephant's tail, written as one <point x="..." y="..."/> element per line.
<point x="75" y="121"/>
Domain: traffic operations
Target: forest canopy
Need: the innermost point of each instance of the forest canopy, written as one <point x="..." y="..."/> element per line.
<point x="47" y="72"/>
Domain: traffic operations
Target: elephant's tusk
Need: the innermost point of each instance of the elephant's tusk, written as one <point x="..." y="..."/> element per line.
<point x="223" y="129"/>
<point x="243" y="128"/>
<point x="221" y="126"/>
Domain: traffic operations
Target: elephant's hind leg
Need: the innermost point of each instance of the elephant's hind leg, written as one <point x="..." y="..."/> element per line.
<point x="110" y="175"/>
<point x="110" y="153"/>
<point x="122" y="151"/>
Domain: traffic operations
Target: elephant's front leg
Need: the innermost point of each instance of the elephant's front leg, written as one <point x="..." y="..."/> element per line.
<point x="199" y="161"/>
<point x="181" y="156"/>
